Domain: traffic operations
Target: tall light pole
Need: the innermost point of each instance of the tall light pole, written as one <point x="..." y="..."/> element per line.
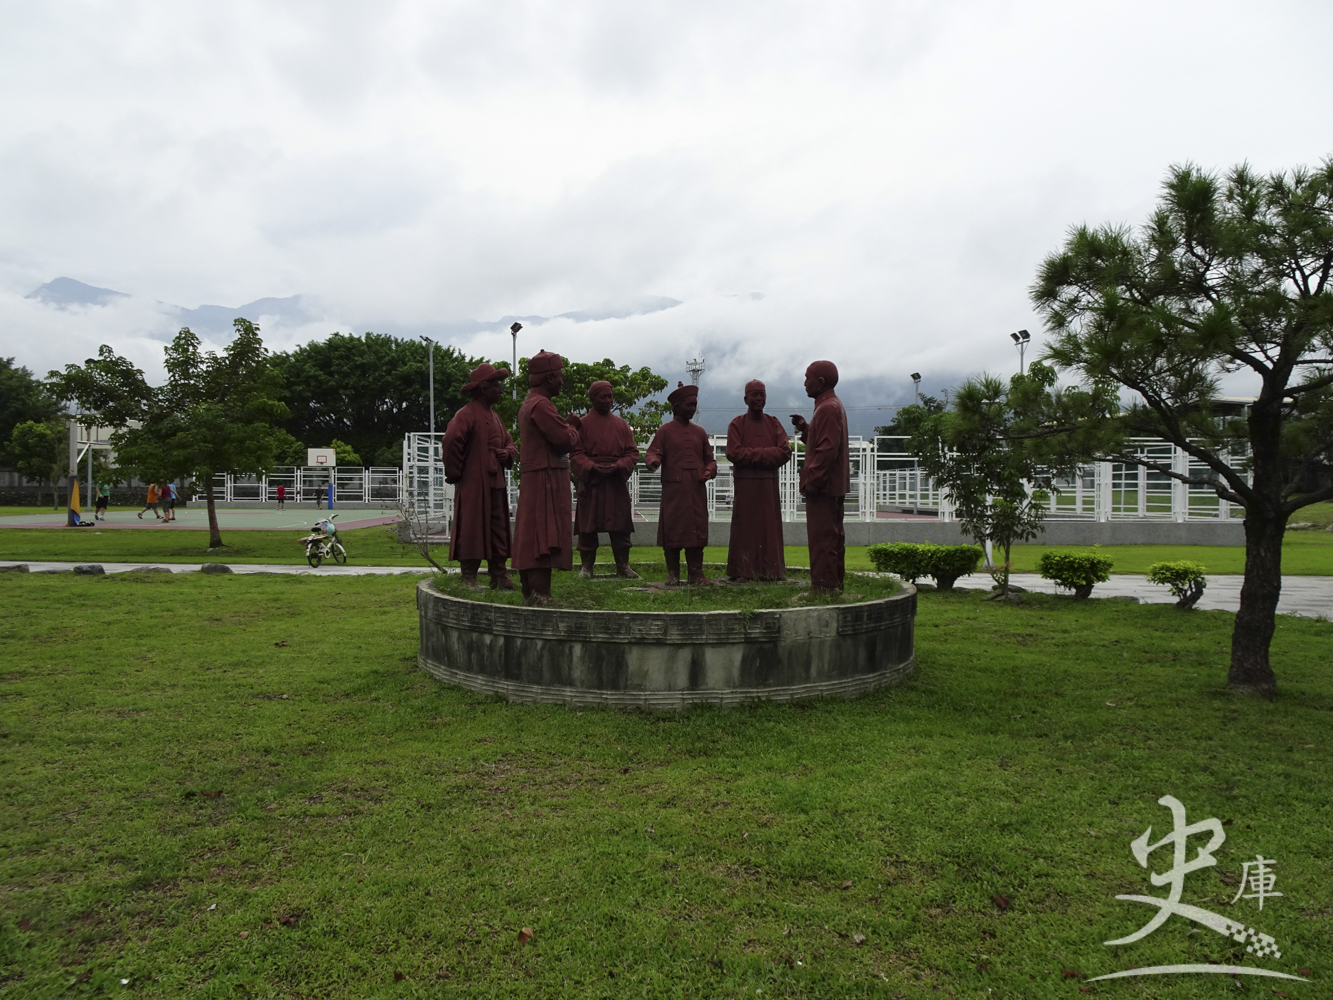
<point x="695" y="367"/>
<point x="1021" y="340"/>
<point x="430" y="346"/>
<point x="513" y="372"/>
<point x="916" y="388"/>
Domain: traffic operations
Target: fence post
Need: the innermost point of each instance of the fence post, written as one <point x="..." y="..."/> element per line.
<point x="1101" y="485"/>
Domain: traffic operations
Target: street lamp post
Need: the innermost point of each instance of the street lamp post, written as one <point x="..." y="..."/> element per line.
<point x="513" y="372"/>
<point x="1021" y="340"/>
<point x="916" y="387"/>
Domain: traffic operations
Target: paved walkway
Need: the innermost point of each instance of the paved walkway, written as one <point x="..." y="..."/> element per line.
<point x="288" y="569"/>
<point x="196" y="517"/>
<point x="1306" y="596"/>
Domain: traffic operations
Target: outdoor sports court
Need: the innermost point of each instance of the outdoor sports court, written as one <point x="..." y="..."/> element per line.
<point x="197" y="517"/>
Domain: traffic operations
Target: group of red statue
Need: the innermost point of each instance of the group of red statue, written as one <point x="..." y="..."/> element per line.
<point x="599" y="448"/>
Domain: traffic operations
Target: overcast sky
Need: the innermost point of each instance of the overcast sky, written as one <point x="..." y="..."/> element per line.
<point x="874" y="183"/>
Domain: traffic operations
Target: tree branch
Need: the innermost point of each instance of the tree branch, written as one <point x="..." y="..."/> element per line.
<point x="1318" y="383"/>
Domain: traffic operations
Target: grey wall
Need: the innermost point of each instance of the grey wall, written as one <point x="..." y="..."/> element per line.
<point x="1057" y="533"/>
<point x="949" y="533"/>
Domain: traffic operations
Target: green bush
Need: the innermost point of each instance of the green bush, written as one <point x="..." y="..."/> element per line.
<point x="913" y="560"/>
<point x="1185" y="578"/>
<point x="1076" y="571"/>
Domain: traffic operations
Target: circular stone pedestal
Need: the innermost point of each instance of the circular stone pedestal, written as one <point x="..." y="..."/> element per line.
<point x="665" y="659"/>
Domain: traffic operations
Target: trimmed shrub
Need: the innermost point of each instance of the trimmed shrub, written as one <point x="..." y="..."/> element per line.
<point x="1184" y="577"/>
<point x="1076" y="571"/>
<point x="913" y="560"/>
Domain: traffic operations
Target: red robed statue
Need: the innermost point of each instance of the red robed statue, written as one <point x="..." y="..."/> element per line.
<point x="477" y="450"/>
<point x="603" y="461"/>
<point x="826" y="476"/>
<point x="757" y="447"/>
<point x="543" y="530"/>
<point x="682" y="451"/>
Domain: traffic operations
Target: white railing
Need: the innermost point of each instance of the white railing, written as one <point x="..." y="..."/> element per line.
<point x="350" y="485"/>
<point x="886" y="480"/>
<point x="1100" y="491"/>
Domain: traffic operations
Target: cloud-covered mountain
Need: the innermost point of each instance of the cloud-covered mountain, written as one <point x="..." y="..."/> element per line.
<point x="66" y="292"/>
<point x="298" y="311"/>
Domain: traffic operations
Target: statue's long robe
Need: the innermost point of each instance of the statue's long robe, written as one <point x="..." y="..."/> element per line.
<point x="684" y="453"/>
<point x="756" y="448"/>
<point x="826" y="477"/>
<point x="543" y="529"/>
<point x="477" y="448"/>
<point x="603" y="500"/>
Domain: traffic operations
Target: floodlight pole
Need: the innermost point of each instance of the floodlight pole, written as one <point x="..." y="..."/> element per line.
<point x="1021" y="340"/>
<point x="916" y="388"/>
<point x="513" y="372"/>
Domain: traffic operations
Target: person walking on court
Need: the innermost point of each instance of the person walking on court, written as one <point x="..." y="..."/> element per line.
<point x="282" y="496"/>
<point x="101" y="500"/>
<point x="168" y="503"/>
<point x="151" y="503"/>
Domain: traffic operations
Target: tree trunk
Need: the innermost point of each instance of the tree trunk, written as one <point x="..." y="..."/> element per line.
<point x="1250" y="671"/>
<point x="214" y="535"/>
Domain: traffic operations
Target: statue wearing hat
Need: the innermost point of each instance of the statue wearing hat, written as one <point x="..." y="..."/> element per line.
<point x="603" y="461"/>
<point x="543" y="530"/>
<point x="477" y="450"/>
<point x="757" y="447"/>
<point x="682" y="451"/>
<point x="826" y="476"/>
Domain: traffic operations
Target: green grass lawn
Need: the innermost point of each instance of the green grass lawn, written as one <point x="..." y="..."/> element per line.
<point x="609" y="593"/>
<point x="244" y="787"/>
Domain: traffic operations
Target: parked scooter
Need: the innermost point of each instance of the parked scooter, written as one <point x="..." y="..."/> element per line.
<point x="322" y="543"/>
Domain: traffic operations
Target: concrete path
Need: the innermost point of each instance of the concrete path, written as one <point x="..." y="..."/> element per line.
<point x="288" y="569"/>
<point x="1306" y="596"/>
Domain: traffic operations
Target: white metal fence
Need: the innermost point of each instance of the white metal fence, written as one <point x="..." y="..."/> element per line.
<point x="1101" y="491"/>
<point x="886" y="480"/>
<point x="351" y="484"/>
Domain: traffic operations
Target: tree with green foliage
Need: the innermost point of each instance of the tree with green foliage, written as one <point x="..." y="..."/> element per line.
<point x="23" y="399"/>
<point x="1226" y="276"/>
<point x="993" y="452"/>
<point x="39" y="451"/>
<point x="344" y="453"/>
<point x="896" y="427"/>
<point x="369" y="391"/>
<point x="217" y="413"/>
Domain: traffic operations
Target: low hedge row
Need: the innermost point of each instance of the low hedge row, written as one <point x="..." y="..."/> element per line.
<point x="1185" y="578"/>
<point x="912" y="560"/>
<point x="1076" y="571"/>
